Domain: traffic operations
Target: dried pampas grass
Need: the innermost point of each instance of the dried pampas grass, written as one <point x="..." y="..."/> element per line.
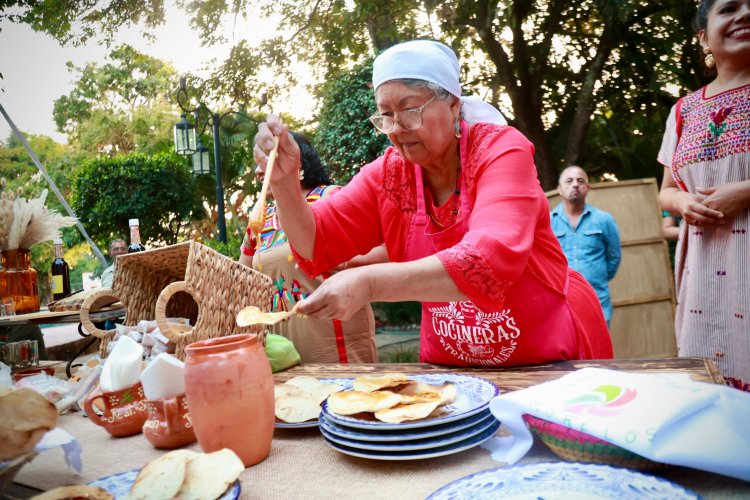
<point x="24" y="223"/>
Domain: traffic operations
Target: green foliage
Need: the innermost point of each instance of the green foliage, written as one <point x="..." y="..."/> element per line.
<point x="86" y="265"/>
<point x="398" y="313"/>
<point x="231" y="248"/>
<point x="345" y="137"/>
<point x="20" y="172"/>
<point x="77" y="21"/>
<point x="121" y="106"/>
<point x="577" y="74"/>
<point x="158" y="190"/>
<point x="399" y="354"/>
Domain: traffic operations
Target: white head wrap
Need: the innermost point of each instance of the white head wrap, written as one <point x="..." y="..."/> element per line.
<point x="433" y="62"/>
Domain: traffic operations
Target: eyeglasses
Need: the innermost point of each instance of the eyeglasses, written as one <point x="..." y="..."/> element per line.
<point x="409" y="119"/>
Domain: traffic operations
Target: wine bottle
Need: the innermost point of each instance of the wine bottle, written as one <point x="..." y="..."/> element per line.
<point x="60" y="273"/>
<point x="135" y="237"/>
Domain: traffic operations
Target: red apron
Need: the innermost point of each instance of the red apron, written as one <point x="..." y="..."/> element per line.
<point x="533" y="326"/>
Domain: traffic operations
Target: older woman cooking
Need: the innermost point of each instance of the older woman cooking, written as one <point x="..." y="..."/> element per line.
<point x="457" y="203"/>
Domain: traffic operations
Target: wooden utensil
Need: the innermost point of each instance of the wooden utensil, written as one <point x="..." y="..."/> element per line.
<point x="258" y="213"/>
<point x="252" y="315"/>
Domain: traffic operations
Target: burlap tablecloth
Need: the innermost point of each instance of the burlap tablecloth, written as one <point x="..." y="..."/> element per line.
<point x="301" y="465"/>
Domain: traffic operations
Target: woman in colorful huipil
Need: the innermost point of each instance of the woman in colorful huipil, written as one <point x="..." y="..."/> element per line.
<point x="316" y="340"/>
<point x="466" y="225"/>
<point x="706" y="154"/>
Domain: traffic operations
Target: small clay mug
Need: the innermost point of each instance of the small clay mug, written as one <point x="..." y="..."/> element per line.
<point x="168" y="425"/>
<point x="124" y="410"/>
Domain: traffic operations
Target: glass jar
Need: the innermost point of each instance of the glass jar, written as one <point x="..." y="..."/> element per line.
<point x="18" y="280"/>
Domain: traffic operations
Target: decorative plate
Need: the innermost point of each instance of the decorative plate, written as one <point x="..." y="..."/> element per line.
<point x="473" y="395"/>
<point x="381" y="436"/>
<point x="280" y="424"/>
<point x="561" y="480"/>
<point x="419" y="454"/>
<point x="415" y="445"/>
<point x="118" y="485"/>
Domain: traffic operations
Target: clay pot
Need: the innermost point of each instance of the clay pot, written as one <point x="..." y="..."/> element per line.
<point x="168" y="425"/>
<point x="124" y="410"/>
<point x="229" y="389"/>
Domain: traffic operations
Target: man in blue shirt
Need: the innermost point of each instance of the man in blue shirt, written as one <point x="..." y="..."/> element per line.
<point x="589" y="237"/>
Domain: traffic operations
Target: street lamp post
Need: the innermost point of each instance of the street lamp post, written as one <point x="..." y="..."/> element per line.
<point x="186" y="144"/>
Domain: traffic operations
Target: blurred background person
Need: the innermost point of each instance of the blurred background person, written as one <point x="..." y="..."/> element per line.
<point x="116" y="247"/>
<point x="706" y="155"/>
<point x="589" y="237"/>
<point x="316" y="340"/>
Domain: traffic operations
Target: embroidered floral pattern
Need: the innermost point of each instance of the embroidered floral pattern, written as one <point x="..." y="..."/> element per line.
<point x="273" y="235"/>
<point x="398" y="181"/>
<point x="476" y="272"/>
<point x="717" y="125"/>
<point x="705" y="121"/>
<point x="284" y="299"/>
<point x="737" y="384"/>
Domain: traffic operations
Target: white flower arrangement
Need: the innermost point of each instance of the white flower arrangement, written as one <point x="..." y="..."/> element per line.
<point x="24" y="223"/>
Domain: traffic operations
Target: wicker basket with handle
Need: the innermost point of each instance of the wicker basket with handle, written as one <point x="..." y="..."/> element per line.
<point x="186" y="280"/>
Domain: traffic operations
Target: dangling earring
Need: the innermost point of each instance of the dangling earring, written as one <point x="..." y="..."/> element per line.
<point x="456" y="128"/>
<point x="301" y="175"/>
<point x="709" y="59"/>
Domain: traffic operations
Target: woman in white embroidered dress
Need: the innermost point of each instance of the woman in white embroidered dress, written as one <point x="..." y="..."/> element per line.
<point x="706" y="154"/>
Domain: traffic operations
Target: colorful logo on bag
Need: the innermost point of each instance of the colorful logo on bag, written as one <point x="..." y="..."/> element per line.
<point x="605" y="400"/>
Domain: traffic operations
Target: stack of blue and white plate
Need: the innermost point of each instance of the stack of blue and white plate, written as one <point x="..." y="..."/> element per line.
<point x="463" y="424"/>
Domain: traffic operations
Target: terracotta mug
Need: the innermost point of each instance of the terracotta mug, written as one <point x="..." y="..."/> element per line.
<point x="124" y="410"/>
<point x="168" y="425"/>
<point x="229" y="389"/>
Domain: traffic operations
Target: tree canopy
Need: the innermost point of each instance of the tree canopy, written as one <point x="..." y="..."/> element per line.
<point x="588" y="82"/>
<point x="158" y="190"/>
<point x="120" y="106"/>
<point x="345" y="138"/>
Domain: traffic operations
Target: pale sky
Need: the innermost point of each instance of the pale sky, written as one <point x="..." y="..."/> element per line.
<point x="34" y="71"/>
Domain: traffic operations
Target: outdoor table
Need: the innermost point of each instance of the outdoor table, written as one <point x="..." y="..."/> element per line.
<point x="301" y="464"/>
<point x="44" y="317"/>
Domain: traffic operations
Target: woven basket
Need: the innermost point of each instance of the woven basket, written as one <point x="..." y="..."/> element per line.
<point x="575" y="446"/>
<point x="187" y="280"/>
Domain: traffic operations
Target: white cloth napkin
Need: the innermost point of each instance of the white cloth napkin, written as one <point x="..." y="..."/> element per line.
<point x="667" y="418"/>
<point x="123" y="365"/>
<point x="163" y="377"/>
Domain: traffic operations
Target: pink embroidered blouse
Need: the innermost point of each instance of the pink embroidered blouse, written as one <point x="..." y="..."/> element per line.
<point x="509" y="239"/>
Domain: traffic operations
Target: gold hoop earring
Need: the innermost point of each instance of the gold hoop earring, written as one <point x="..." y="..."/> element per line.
<point x="709" y="59"/>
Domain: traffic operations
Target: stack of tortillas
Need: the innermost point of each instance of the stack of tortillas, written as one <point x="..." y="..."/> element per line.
<point x="392" y="398"/>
